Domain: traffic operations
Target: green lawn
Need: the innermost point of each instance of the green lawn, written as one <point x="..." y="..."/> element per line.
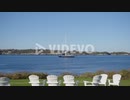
<point x="24" y="82"/>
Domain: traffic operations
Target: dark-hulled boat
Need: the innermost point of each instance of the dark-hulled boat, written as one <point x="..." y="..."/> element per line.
<point x="66" y="55"/>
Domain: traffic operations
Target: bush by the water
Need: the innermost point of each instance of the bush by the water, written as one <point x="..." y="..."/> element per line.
<point x="24" y="75"/>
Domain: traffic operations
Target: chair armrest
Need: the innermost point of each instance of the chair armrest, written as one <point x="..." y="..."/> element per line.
<point x="59" y="82"/>
<point x="109" y="80"/>
<point x="87" y="82"/>
<point x="76" y="83"/>
<point x="44" y="82"/>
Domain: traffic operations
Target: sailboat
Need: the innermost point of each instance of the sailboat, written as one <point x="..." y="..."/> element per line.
<point x="65" y="54"/>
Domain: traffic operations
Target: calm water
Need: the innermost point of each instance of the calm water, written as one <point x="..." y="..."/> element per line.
<point x="56" y="65"/>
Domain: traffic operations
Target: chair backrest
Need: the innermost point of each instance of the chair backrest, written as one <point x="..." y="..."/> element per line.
<point x="4" y="81"/>
<point x="69" y="80"/>
<point x="103" y="79"/>
<point x="52" y="80"/>
<point x="34" y="80"/>
<point x="116" y="78"/>
<point x="96" y="79"/>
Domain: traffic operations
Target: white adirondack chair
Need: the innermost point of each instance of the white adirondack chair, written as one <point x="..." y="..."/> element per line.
<point x="115" y="80"/>
<point x="103" y="80"/>
<point x="52" y="80"/>
<point x="69" y="80"/>
<point x="4" y="81"/>
<point x="34" y="80"/>
<point x="94" y="82"/>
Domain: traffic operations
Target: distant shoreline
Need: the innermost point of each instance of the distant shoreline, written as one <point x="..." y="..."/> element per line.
<point x="56" y="52"/>
<point x="75" y="55"/>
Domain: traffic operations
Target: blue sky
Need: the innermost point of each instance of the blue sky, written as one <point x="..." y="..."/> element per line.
<point x="106" y="31"/>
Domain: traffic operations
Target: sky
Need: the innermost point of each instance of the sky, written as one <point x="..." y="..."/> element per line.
<point x="106" y="31"/>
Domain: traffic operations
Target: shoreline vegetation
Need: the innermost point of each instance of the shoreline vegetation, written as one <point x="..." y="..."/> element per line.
<point x="55" y="52"/>
<point x="21" y="78"/>
<point x="24" y="75"/>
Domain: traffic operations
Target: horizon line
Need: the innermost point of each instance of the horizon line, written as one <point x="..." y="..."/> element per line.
<point x="61" y="50"/>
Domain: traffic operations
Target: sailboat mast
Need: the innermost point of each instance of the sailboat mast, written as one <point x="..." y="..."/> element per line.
<point x="65" y="51"/>
<point x="65" y="39"/>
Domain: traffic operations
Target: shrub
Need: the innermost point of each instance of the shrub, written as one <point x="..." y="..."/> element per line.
<point x="87" y="74"/>
<point x="24" y="75"/>
<point x="125" y="74"/>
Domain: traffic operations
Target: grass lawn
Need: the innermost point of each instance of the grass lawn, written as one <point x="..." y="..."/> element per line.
<point x="24" y="82"/>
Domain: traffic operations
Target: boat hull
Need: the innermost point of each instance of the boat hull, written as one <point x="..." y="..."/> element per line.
<point x="61" y="56"/>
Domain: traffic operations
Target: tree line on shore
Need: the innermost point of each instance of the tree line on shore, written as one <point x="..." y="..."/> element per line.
<point x="48" y="52"/>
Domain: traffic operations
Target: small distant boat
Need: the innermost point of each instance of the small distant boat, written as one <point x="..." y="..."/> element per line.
<point x="65" y="55"/>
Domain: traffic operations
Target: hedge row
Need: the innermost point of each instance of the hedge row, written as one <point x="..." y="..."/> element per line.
<point x="24" y="75"/>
